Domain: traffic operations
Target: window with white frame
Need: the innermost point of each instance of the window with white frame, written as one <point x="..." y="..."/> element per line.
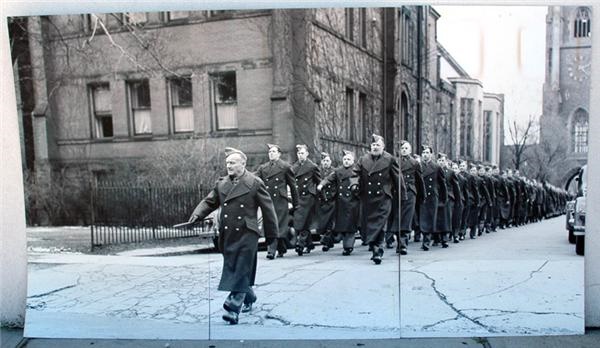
<point x="139" y="102"/>
<point x="101" y="111"/>
<point x="224" y="100"/>
<point x="580" y="131"/>
<point x="582" y="26"/>
<point x="181" y="104"/>
<point x="466" y="126"/>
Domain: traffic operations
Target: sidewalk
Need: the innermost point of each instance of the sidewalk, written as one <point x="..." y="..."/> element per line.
<point x="12" y="338"/>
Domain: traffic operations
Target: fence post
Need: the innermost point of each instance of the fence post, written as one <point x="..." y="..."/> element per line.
<point x="152" y="210"/>
<point x="94" y="186"/>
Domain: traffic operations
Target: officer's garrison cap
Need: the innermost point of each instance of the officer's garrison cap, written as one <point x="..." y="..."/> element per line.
<point x="232" y="151"/>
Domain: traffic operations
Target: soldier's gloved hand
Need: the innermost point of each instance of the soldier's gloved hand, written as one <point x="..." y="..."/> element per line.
<point x="193" y="218"/>
<point x="354" y="188"/>
<point x="319" y="187"/>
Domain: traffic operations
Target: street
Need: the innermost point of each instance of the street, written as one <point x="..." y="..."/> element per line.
<point x="519" y="281"/>
<point x="525" y="280"/>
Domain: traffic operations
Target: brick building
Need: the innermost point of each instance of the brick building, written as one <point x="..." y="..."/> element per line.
<point x="115" y="88"/>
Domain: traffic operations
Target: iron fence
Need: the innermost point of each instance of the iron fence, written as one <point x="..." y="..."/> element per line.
<point x="125" y="213"/>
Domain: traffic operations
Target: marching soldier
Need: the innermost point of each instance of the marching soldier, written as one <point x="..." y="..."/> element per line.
<point x="504" y="198"/>
<point x="445" y="209"/>
<point x="471" y="193"/>
<point x="278" y="176"/>
<point x="484" y="201"/>
<point x="377" y="175"/>
<point x="347" y="203"/>
<point x="411" y="172"/>
<point x="326" y="205"/>
<point x="307" y="176"/>
<point x="490" y="185"/>
<point x="239" y="194"/>
<point x="435" y="192"/>
<point x="459" y="203"/>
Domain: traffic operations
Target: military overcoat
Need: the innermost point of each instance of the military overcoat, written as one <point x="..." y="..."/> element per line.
<point x="377" y="178"/>
<point x="278" y="176"/>
<point x="347" y="200"/>
<point x="435" y="191"/>
<point x="411" y="172"/>
<point x="238" y="228"/>
<point x="307" y="177"/>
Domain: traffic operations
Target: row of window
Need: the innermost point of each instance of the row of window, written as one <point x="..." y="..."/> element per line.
<point x="113" y="20"/>
<point x="180" y="98"/>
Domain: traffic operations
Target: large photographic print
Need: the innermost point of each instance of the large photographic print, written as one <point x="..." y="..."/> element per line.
<point x="307" y="173"/>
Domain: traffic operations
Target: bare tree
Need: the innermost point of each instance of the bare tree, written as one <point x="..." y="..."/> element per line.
<point x="521" y="136"/>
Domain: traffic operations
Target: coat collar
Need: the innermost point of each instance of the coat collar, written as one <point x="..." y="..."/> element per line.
<point x="243" y="186"/>
<point x="274" y="169"/>
<point x="301" y="169"/>
<point x="373" y="166"/>
<point x="428" y="167"/>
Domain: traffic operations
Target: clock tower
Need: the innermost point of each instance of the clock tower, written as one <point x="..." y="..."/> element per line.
<point x="566" y="97"/>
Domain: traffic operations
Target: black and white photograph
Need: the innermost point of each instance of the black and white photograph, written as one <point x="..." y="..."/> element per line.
<point x="187" y="171"/>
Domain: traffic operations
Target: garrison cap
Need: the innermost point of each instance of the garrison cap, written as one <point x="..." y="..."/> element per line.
<point x="402" y="142"/>
<point x="375" y="138"/>
<point x="324" y="155"/>
<point x="348" y="152"/>
<point x="232" y="151"/>
<point x="301" y="146"/>
<point x="426" y="147"/>
<point x="441" y="155"/>
<point x="270" y="146"/>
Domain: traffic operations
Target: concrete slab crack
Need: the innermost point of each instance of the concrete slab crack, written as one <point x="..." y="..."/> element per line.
<point x="515" y="284"/>
<point x="444" y="299"/>
<point x="52" y="292"/>
<point x="426" y="327"/>
<point x="503" y="312"/>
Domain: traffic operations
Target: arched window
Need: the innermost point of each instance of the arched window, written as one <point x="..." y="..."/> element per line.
<point x="580" y="131"/>
<point x="582" y="26"/>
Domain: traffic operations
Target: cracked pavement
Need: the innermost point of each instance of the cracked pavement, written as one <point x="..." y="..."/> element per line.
<point x="316" y="295"/>
<point x="522" y="281"/>
<point x="518" y="281"/>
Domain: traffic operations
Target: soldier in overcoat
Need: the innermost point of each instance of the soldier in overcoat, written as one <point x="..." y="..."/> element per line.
<point x="459" y="204"/>
<point x="326" y="206"/>
<point x="471" y="194"/>
<point x="347" y="201"/>
<point x="443" y="226"/>
<point x="435" y="192"/>
<point x="486" y="175"/>
<point x="239" y="195"/>
<point x="411" y="173"/>
<point x="278" y="177"/>
<point x="307" y="177"/>
<point x="485" y="200"/>
<point x="504" y="198"/>
<point x="378" y="175"/>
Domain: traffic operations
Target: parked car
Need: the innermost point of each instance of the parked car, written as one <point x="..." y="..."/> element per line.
<point x="576" y="210"/>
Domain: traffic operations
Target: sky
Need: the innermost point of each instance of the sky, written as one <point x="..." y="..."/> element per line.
<point x="503" y="47"/>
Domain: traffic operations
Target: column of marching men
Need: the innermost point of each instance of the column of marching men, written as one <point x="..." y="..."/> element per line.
<point x="389" y="200"/>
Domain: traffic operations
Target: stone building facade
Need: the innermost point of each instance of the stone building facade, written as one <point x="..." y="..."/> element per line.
<point x="119" y="87"/>
<point x="566" y="95"/>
